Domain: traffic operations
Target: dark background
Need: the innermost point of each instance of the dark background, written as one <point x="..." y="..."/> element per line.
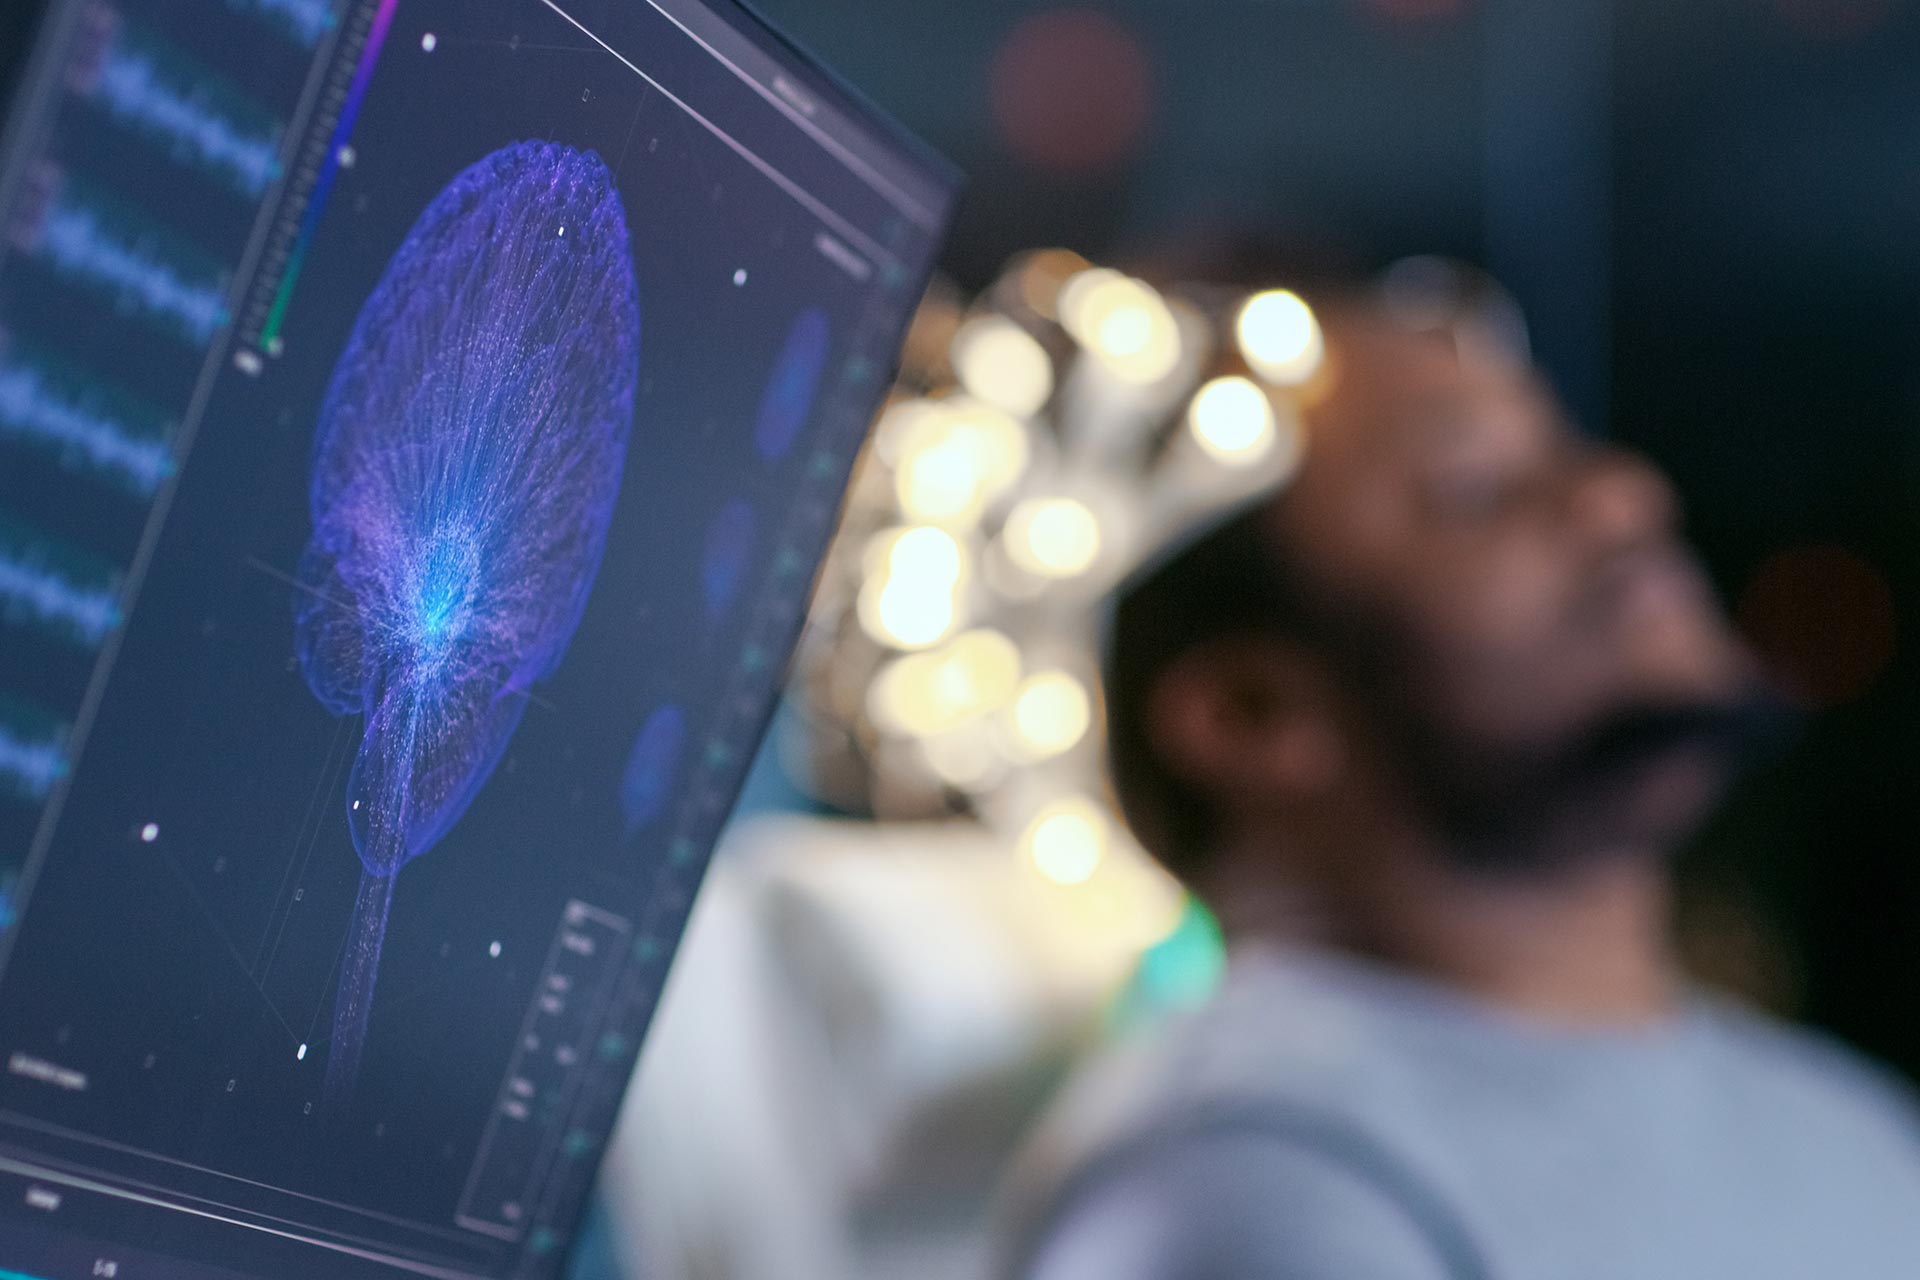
<point x="1708" y="209"/>
<point x="1711" y="213"/>
<point x="205" y="955"/>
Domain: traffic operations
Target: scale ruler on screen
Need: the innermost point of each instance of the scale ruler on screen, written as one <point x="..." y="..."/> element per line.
<point x="528" y="1126"/>
<point x="744" y="702"/>
<point x="324" y="153"/>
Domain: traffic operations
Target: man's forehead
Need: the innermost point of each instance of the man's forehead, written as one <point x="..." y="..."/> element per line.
<point x="1398" y="402"/>
<point x="1398" y="390"/>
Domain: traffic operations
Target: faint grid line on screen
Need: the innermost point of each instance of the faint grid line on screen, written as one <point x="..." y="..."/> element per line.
<point x="811" y="203"/>
<point x="307" y="833"/>
<point x="906" y="203"/>
<point x="80" y="1169"/>
<point x="220" y="932"/>
<point x="22" y="1169"/>
<point x="262" y="1220"/>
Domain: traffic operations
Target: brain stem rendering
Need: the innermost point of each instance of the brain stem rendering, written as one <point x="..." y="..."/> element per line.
<point x="465" y="468"/>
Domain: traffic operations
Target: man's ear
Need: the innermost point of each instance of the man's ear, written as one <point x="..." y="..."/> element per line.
<point x="1248" y="718"/>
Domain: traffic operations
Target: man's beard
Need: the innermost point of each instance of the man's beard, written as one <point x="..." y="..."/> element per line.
<point x="1519" y="808"/>
<point x="1510" y="809"/>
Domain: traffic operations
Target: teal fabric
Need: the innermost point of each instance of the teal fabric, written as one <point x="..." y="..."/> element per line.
<point x="592" y="1256"/>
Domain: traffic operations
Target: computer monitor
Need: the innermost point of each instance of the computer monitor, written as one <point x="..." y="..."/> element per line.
<point x="420" y="423"/>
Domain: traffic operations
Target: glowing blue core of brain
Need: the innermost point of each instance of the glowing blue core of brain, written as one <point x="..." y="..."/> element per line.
<point x="465" y="468"/>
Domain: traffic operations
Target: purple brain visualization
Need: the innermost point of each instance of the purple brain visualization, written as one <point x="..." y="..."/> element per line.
<point x="465" y="467"/>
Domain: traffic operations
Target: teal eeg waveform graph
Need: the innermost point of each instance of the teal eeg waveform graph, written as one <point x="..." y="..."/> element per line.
<point x="62" y="591"/>
<point x="52" y="408"/>
<point x="32" y="751"/>
<point x="305" y="22"/>
<point x="139" y="269"/>
<point x="158" y="163"/>
<point x="200" y="120"/>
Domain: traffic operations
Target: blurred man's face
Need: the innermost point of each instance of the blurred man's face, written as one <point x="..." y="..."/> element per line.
<point x="1544" y="625"/>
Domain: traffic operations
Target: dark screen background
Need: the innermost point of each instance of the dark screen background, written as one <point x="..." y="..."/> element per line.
<point x="181" y="974"/>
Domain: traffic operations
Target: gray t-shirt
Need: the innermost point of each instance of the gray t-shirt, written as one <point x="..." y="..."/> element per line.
<point x="1325" y="1119"/>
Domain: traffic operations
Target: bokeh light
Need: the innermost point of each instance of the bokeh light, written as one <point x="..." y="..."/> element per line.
<point x="1233" y="421"/>
<point x="1123" y="322"/>
<point x="1051" y="713"/>
<point x="1040" y="275"/>
<point x="1002" y="364"/>
<point x="1068" y="839"/>
<point x="910" y="597"/>
<point x="955" y="457"/>
<point x="922" y="552"/>
<point x="1279" y="337"/>
<point x="1071" y="91"/>
<point x="963" y="757"/>
<point x="1022" y="463"/>
<point x="905" y="615"/>
<point x="1053" y="537"/>
<point x="925" y="694"/>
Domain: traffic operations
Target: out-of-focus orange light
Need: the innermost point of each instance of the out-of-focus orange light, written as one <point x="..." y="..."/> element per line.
<point x="1072" y="91"/>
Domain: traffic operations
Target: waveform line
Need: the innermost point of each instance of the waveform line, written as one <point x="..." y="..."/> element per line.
<point x="33" y="590"/>
<point x="76" y="241"/>
<point x="136" y="91"/>
<point x="32" y="765"/>
<point x="306" y="21"/>
<point x="33" y="408"/>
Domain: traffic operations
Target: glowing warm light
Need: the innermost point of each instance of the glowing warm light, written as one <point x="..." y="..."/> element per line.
<point x="1002" y="364"/>
<point x="980" y="670"/>
<point x="899" y="422"/>
<point x="1042" y="275"/>
<point x="1123" y="322"/>
<point x="1068" y="839"/>
<point x="1053" y="537"/>
<point x="1279" y="337"/>
<point x="1050" y="713"/>
<point x="911" y="595"/>
<point x="906" y="616"/>
<point x="925" y="553"/>
<point x="954" y="458"/>
<point x="998" y="440"/>
<point x="903" y="699"/>
<point x="963" y="758"/>
<point x="1233" y="421"/>
<point x="1154" y="902"/>
<point x="942" y="482"/>
<point x="1076" y="297"/>
<point x="925" y="694"/>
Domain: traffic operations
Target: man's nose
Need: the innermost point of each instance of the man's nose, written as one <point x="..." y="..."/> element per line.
<point x="1618" y="497"/>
